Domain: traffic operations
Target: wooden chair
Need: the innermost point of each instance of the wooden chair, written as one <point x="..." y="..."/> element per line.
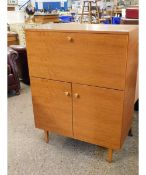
<point x="106" y="15"/>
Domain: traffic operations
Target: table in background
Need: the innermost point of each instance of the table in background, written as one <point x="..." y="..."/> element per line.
<point x="129" y="21"/>
<point x="46" y="18"/>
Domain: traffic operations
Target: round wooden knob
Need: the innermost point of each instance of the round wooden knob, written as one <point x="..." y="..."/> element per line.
<point x="76" y="95"/>
<point x="69" y="38"/>
<point x="67" y="93"/>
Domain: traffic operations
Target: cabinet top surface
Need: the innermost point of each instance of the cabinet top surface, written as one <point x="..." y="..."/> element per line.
<point x="74" y="27"/>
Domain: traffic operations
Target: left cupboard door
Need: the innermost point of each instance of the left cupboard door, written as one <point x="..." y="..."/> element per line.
<point x="52" y="105"/>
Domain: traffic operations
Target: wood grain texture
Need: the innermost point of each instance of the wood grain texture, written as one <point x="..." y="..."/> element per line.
<point x="110" y="155"/>
<point x="46" y="18"/>
<point x="10" y="8"/>
<point x="129" y="21"/>
<point x="98" y="115"/>
<point x="93" y="59"/>
<point x="83" y="83"/>
<point x="46" y="136"/>
<point x="130" y="83"/>
<point x="52" y="108"/>
<point x="12" y="39"/>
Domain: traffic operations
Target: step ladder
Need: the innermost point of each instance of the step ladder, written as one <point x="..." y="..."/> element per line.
<point x="90" y="9"/>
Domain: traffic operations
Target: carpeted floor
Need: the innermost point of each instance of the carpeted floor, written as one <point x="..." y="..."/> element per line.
<point x="28" y="154"/>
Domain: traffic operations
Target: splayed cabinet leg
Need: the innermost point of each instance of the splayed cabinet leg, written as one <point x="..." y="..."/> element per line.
<point x="130" y="132"/>
<point x="46" y="136"/>
<point x="110" y="155"/>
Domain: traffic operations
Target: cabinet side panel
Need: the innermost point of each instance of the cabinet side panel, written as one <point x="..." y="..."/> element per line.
<point x="131" y="76"/>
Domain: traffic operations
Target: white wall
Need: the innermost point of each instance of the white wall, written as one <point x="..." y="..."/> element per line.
<point x="15" y="17"/>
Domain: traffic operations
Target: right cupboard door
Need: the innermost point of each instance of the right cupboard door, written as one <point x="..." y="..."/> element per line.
<point x="97" y="115"/>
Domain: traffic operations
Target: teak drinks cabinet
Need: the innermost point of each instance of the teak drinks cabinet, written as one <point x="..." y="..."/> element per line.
<point x="83" y="79"/>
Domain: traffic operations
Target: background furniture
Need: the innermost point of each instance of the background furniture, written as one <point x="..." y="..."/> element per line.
<point x="132" y="12"/>
<point x="46" y="18"/>
<point x="10" y="8"/>
<point x="129" y="21"/>
<point x="22" y="63"/>
<point x="117" y="12"/>
<point x="106" y="16"/>
<point x="90" y="9"/>
<point x="13" y="79"/>
<point x="12" y="38"/>
<point x="83" y="80"/>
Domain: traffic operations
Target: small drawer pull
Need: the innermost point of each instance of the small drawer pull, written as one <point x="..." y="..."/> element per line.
<point x="76" y="95"/>
<point x="69" y="38"/>
<point x="67" y="93"/>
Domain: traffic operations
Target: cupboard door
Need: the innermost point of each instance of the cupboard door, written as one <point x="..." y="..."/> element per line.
<point x="52" y="105"/>
<point x="85" y="58"/>
<point x="97" y="115"/>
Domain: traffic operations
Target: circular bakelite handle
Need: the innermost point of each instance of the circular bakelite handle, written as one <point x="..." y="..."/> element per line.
<point x="69" y="38"/>
<point x="67" y="93"/>
<point x="76" y="95"/>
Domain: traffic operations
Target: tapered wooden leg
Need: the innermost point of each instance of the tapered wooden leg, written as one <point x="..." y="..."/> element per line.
<point x="46" y="136"/>
<point x="17" y="91"/>
<point x="130" y="132"/>
<point x="110" y="155"/>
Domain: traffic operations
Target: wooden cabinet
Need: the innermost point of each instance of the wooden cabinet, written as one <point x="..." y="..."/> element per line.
<point x="12" y="38"/>
<point x="46" y="18"/>
<point x="129" y="21"/>
<point x="83" y="80"/>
